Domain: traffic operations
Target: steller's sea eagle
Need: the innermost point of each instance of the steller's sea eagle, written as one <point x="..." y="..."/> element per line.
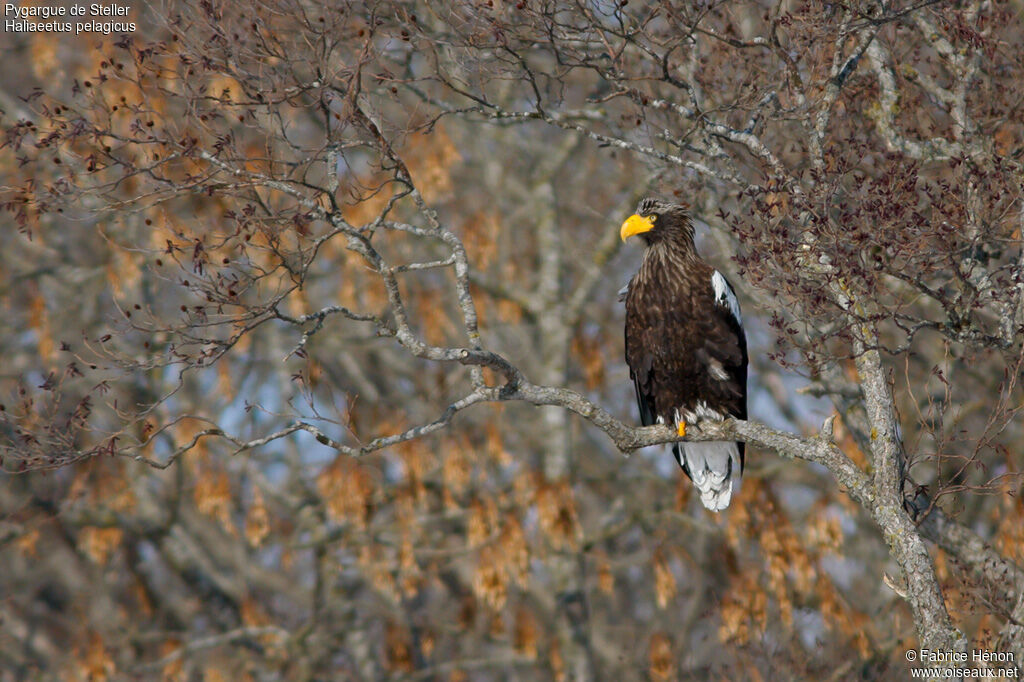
<point x="685" y="346"/>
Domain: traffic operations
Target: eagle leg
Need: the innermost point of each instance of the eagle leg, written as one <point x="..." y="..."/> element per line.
<point x="681" y="429"/>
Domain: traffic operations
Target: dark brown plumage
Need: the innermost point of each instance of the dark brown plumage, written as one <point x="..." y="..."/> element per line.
<point x="685" y="345"/>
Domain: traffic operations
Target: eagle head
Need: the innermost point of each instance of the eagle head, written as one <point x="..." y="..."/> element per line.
<point x="656" y="220"/>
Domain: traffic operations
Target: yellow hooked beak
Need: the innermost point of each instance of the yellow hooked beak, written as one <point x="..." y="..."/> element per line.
<point x="635" y="225"/>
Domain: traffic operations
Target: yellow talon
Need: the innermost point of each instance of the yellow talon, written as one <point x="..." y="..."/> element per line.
<point x="681" y="429"/>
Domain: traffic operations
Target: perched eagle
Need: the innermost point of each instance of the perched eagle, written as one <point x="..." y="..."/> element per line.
<point x="685" y="346"/>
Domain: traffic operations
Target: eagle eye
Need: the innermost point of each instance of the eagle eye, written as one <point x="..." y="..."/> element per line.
<point x="653" y="217"/>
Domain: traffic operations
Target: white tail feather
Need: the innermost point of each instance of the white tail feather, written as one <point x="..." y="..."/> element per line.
<point x="715" y="470"/>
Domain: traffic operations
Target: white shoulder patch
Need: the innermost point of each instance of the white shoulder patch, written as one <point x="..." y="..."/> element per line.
<point x="724" y="295"/>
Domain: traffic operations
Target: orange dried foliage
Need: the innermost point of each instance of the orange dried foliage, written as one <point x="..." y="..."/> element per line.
<point x="467" y="612"/>
<point x="941" y="565"/>
<point x="39" y="320"/>
<point x="859" y="624"/>
<point x="161" y="232"/>
<point x="776" y="567"/>
<point x="95" y="663"/>
<point x="256" y="162"/>
<point x="777" y="203"/>
<point x="803" y="568"/>
<point x="480" y="237"/>
<point x="412" y="577"/>
<point x="682" y="498"/>
<point x="438" y="326"/>
<point x="556" y="661"/>
<point x="428" y="642"/>
<point x="253" y="614"/>
<point x="347" y="489"/>
<point x="121" y="120"/>
<point x="261" y="250"/>
<point x="496" y="629"/>
<point x="836" y="613"/>
<point x="366" y="210"/>
<point x="526" y="633"/>
<point x="744" y="611"/>
<point x="225" y="87"/>
<point x="141" y="597"/>
<point x="665" y="587"/>
<point x="398" y="648"/>
<point x="829" y="603"/>
<point x="986" y="636"/>
<point x="455" y="470"/>
<point x="287" y="559"/>
<point x="738" y="525"/>
<point x="173" y="671"/>
<point x="297" y="303"/>
<point x="81" y="486"/>
<point x="373" y="295"/>
<point x="481" y="301"/>
<point x="123" y="271"/>
<point x="1007" y="138"/>
<point x="605" y="577"/>
<point x="349" y="288"/>
<point x="184" y="431"/>
<point x="448" y="500"/>
<point x="515" y="549"/>
<point x="104" y="483"/>
<point x="778" y="586"/>
<point x="508" y="311"/>
<point x="788" y="567"/>
<point x="430" y="158"/>
<point x="556" y="512"/>
<point x="27" y="542"/>
<point x="495" y="445"/>
<point x="374" y="563"/>
<point x="314" y="372"/>
<point x="524" y="488"/>
<point x="46" y="62"/>
<point x="1009" y="538"/>
<point x="661" y="663"/>
<point x="212" y="674"/>
<point x="844" y="439"/>
<point x="588" y="350"/>
<point x="825" y="532"/>
<point x="418" y="460"/>
<point x="212" y="496"/>
<point x="257" y="520"/>
<point x="122" y="499"/>
<point x="99" y="543"/>
<point x="404" y="501"/>
<point x="490" y="581"/>
<point x="244" y="341"/>
<point x="225" y="384"/>
<point x="483" y="521"/>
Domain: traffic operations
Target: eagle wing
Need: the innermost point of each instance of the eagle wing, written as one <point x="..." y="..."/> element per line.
<point x="640" y="360"/>
<point x="724" y="347"/>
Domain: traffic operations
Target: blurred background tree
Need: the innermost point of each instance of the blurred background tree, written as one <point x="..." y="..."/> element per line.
<point x="313" y="359"/>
